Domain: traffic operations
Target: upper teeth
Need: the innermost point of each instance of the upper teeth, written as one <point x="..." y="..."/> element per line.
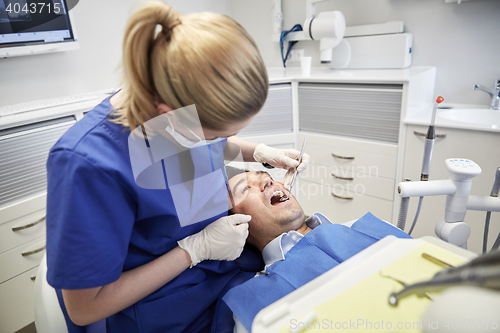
<point x="281" y="194"/>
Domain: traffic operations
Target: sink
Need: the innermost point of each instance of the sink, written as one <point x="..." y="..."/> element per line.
<point x="479" y="116"/>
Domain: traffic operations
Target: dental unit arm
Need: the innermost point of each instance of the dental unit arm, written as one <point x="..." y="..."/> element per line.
<point x="451" y="228"/>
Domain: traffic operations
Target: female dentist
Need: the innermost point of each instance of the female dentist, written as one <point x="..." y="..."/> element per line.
<point x="119" y="251"/>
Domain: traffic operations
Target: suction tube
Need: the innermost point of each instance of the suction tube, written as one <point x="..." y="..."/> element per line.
<point x="494" y="193"/>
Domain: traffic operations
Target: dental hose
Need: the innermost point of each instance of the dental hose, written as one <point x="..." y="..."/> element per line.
<point x="403" y="210"/>
<point x="494" y="193"/>
<point x="430" y="138"/>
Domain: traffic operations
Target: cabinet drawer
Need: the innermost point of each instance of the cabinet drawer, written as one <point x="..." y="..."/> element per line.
<point x="352" y="155"/>
<point x="357" y="162"/>
<point x="16" y="305"/>
<point x="349" y="182"/>
<point x="22" y="230"/>
<point x="340" y="210"/>
<point x="367" y="146"/>
<point x="21" y="258"/>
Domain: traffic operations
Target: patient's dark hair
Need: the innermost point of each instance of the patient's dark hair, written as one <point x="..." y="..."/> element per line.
<point x="231" y="172"/>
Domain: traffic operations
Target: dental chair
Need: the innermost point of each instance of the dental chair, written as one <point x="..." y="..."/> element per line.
<point x="49" y="317"/>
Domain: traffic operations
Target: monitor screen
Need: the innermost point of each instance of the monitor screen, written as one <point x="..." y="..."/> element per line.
<point x="31" y="27"/>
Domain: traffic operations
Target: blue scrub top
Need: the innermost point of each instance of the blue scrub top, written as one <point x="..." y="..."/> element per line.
<point x="100" y="224"/>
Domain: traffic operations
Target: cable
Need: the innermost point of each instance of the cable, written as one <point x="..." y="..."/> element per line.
<point x="284" y="57"/>
<point x="416" y="214"/>
<point x="494" y="193"/>
<point x="497" y="243"/>
<point x="486" y="231"/>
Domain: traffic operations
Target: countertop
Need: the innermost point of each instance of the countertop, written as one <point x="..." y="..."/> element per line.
<point x="423" y="117"/>
<point x="323" y="74"/>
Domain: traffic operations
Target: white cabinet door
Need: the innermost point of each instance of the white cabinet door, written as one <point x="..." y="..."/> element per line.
<point x="340" y="208"/>
<point x="481" y="147"/>
<point x="16" y="302"/>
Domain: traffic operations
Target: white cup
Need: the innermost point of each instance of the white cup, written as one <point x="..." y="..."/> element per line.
<point x="305" y="65"/>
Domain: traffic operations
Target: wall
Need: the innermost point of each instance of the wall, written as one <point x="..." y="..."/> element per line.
<point x="460" y="40"/>
<point x="95" y="66"/>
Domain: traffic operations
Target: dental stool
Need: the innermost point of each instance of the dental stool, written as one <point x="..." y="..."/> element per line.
<point x="49" y="317"/>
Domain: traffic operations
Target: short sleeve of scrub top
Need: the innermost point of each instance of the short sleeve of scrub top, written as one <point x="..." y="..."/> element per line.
<point x="100" y="215"/>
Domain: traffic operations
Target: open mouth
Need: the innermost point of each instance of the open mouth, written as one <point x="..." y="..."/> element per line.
<point x="278" y="197"/>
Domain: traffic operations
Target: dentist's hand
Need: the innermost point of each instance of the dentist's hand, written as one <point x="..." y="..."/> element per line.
<point x="287" y="159"/>
<point x="220" y="240"/>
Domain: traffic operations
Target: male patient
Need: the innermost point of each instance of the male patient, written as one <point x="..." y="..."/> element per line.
<point x="295" y="249"/>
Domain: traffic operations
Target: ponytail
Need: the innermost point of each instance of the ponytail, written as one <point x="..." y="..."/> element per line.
<point x="204" y="59"/>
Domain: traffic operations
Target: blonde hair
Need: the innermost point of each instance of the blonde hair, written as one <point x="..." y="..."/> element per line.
<point x="205" y="59"/>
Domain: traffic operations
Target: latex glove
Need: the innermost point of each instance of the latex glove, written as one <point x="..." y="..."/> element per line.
<point x="287" y="159"/>
<point x="220" y="240"/>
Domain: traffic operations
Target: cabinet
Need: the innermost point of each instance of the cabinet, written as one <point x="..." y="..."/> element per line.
<point x="16" y="306"/>
<point x="23" y="180"/>
<point x="22" y="244"/>
<point x="474" y="145"/>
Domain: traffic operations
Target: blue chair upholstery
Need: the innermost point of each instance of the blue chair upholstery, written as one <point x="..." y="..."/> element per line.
<point x="250" y="262"/>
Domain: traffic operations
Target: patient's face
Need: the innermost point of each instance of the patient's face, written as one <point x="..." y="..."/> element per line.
<point x="252" y="194"/>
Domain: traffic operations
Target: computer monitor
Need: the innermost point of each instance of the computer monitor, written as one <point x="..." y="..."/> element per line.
<point x="33" y="27"/>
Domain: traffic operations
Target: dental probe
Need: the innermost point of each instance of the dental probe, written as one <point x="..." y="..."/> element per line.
<point x="295" y="173"/>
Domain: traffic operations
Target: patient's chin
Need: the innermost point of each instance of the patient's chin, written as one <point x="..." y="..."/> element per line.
<point x="293" y="219"/>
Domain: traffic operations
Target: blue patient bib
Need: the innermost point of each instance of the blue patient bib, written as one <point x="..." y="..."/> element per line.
<point x="319" y="251"/>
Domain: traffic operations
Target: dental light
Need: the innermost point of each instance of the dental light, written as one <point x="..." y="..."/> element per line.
<point x="327" y="27"/>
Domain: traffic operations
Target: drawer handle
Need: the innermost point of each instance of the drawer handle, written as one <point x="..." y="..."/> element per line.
<point x="33" y="278"/>
<point x="25" y="254"/>
<point x="343" y="198"/>
<point x="343" y="157"/>
<point x="29" y="225"/>
<point x="343" y="178"/>
<point x="440" y="136"/>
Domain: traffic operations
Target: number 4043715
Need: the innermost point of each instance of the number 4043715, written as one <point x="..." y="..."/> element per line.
<point x="33" y="8"/>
